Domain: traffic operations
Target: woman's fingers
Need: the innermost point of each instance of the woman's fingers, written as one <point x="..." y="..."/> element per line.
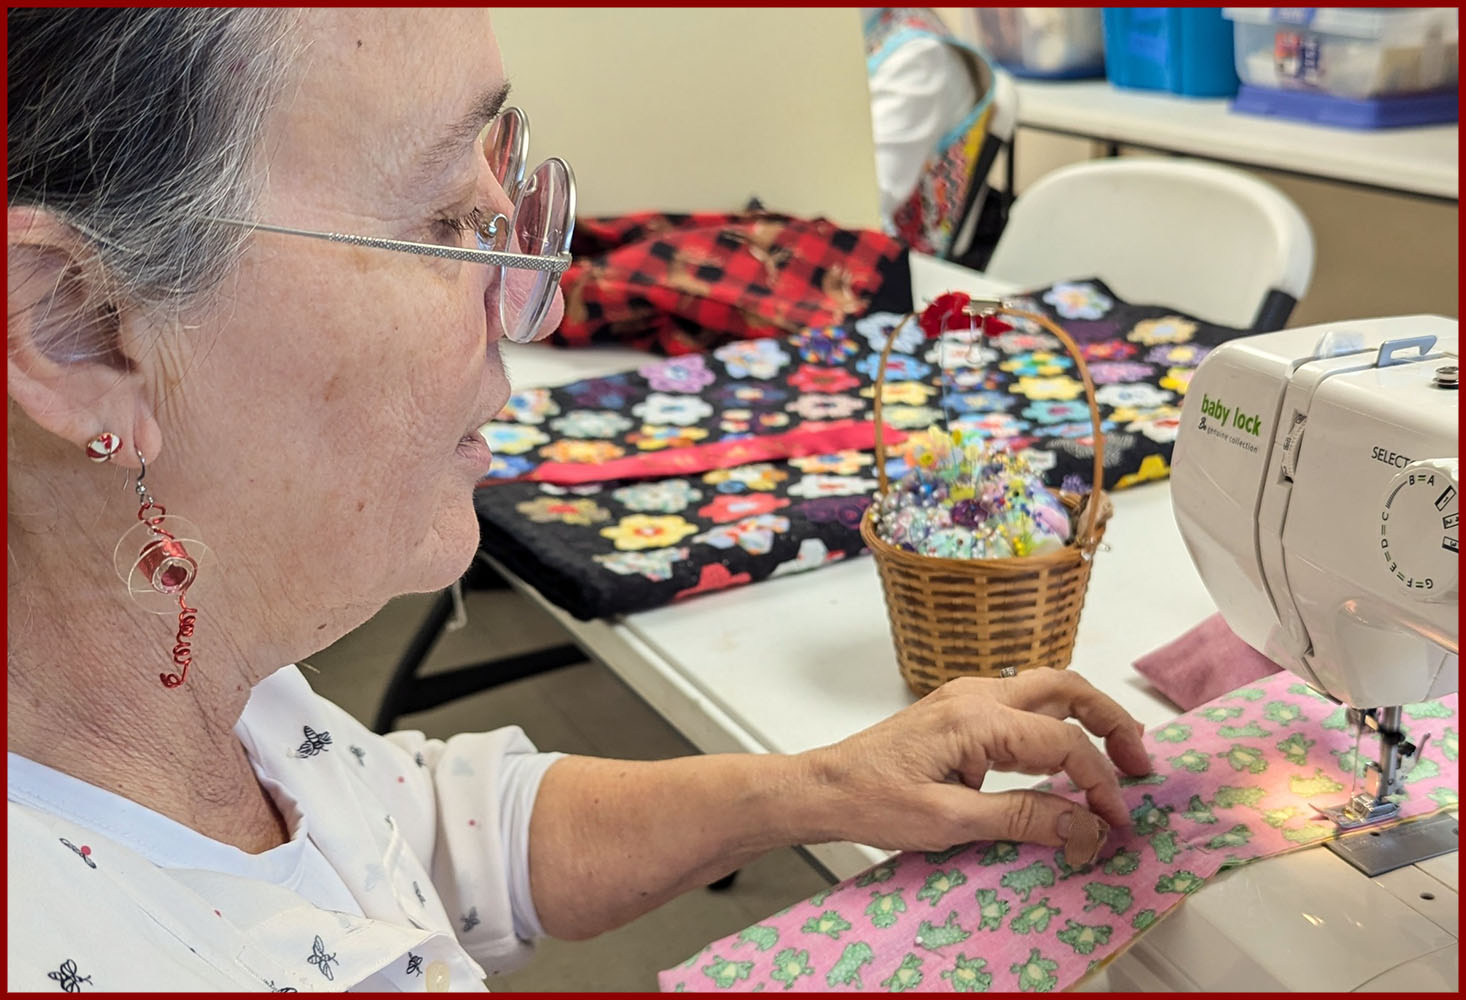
<point x="1063" y="694"/>
<point x="1016" y="740"/>
<point x="1027" y="817"/>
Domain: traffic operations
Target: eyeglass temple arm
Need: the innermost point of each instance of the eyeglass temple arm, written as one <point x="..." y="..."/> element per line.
<point x="556" y="264"/>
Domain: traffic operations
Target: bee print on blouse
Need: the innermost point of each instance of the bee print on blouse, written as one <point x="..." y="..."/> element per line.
<point x="314" y="743"/>
<point x="321" y="959"/>
<point x="68" y="978"/>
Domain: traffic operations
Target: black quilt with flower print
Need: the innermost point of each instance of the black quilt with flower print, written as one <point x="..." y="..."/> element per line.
<point x="605" y="548"/>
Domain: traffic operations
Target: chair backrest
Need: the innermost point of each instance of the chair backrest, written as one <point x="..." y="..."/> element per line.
<point x="1207" y="240"/>
<point x="698" y="110"/>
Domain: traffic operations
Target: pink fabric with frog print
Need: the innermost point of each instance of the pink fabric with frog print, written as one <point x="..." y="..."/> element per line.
<point x="1232" y="784"/>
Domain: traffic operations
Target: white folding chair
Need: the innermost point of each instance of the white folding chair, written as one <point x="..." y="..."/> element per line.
<point x="1210" y="241"/>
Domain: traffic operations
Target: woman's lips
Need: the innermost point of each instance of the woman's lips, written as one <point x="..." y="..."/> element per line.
<point x="474" y="450"/>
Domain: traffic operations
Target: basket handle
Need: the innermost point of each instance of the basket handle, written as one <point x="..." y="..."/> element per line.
<point x="991" y="308"/>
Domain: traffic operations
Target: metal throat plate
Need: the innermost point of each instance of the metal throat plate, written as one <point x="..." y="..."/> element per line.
<point x="1375" y="852"/>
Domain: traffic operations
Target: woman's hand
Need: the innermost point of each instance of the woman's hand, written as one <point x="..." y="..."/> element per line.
<point x="912" y="782"/>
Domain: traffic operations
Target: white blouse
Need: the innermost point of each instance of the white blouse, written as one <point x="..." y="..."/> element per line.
<point x="407" y="867"/>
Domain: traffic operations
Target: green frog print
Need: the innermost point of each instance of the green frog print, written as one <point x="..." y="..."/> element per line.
<point x="1303" y="689"/>
<point x="1279" y="818"/>
<point x="1337" y="719"/>
<point x="1148" y="817"/>
<point x="846" y="972"/>
<point x="990" y="909"/>
<point x="939" y="883"/>
<point x="907" y="976"/>
<point x="1235" y="837"/>
<point x="724" y="973"/>
<point x="1295" y="749"/>
<point x="1230" y="796"/>
<point x="935" y="936"/>
<point x="880" y="873"/>
<point x="1142" y="920"/>
<point x="1180" y="882"/>
<point x="1446" y="798"/>
<point x="1247" y="694"/>
<point x="1351" y="760"/>
<point x="762" y="938"/>
<point x="1116" y="897"/>
<point x="1424" y="769"/>
<point x="1219" y="713"/>
<point x="1319" y="784"/>
<point x="1197" y="811"/>
<point x="969" y="975"/>
<point x="1284" y="713"/>
<point x="789" y="965"/>
<point x="1428" y="710"/>
<point x="1036" y="973"/>
<point x="1123" y="862"/>
<point x="1035" y="918"/>
<point x="829" y="923"/>
<point x="1192" y="760"/>
<point x="1450" y="744"/>
<point x="1084" y="938"/>
<point x="1165" y="846"/>
<point x="999" y="853"/>
<point x="885" y="908"/>
<point x="1173" y="732"/>
<point x="1308" y="832"/>
<point x="1244" y="758"/>
<point x="1024" y="880"/>
<point x="1250" y="731"/>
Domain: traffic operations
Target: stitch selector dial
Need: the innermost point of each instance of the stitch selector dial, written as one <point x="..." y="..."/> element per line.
<point x="1419" y="534"/>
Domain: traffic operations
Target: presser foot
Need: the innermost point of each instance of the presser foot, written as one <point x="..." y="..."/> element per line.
<point x="1362" y="810"/>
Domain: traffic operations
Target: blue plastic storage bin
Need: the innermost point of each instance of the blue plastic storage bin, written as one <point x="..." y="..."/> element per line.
<point x="1350" y="112"/>
<point x="1186" y="50"/>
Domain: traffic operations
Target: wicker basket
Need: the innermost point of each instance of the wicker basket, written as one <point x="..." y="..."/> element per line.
<point x="988" y="617"/>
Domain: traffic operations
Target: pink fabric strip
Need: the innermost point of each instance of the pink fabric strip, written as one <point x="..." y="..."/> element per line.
<point x="1233" y="781"/>
<point x="807" y="439"/>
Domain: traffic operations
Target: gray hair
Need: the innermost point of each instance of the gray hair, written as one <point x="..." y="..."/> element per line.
<point x="137" y="125"/>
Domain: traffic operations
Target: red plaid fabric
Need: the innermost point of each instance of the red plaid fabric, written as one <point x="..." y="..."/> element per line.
<point x="683" y="284"/>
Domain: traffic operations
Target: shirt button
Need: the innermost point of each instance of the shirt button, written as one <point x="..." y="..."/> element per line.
<point x="436" y="977"/>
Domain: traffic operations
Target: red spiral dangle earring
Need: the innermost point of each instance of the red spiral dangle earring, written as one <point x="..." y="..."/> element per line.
<point x="170" y="570"/>
<point x="163" y="568"/>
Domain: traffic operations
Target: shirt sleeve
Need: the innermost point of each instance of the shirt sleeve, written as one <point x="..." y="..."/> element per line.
<point x="484" y="787"/>
<point x="918" y="93"/>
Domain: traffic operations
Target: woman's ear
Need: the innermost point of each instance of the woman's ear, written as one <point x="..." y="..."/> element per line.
<point x="67" y="371"/>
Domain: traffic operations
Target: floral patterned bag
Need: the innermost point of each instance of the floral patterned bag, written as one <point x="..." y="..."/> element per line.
<point x="599" y="546"/>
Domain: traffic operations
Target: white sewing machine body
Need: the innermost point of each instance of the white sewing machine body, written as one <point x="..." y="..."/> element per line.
<point x="1315" y="485"/>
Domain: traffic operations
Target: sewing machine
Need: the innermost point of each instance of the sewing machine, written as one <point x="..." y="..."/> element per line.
<point x="1315" y="484"/>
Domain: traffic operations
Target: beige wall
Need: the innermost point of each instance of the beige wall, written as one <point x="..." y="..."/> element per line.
<point x="1376" y="254"/>
<point x="699" y="109"/>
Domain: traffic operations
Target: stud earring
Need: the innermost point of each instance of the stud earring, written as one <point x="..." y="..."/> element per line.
<point x="103" y="446"/>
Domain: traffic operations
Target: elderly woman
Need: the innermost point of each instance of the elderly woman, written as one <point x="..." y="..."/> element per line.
<point x="232" y="441"/>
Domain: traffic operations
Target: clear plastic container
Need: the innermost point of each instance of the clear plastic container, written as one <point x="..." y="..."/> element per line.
<point x="1044" y="42"/>
<point x="1354" y="52"/>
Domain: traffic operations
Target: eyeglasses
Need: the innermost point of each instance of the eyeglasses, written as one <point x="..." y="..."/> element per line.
<point x="531" y="248"/>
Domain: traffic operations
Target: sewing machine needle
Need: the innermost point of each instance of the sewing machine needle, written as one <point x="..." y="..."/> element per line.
<point x="1354" y="765"/>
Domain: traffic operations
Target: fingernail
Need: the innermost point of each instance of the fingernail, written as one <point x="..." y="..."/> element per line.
<point x="1140" y="728"/>
<point x="1084" y="836"/>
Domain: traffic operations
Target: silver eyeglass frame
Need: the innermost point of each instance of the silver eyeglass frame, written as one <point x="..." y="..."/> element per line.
<point x="555" y="264"/>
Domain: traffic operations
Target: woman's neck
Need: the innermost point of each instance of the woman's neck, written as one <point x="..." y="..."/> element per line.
<point x="84" y="695"/>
